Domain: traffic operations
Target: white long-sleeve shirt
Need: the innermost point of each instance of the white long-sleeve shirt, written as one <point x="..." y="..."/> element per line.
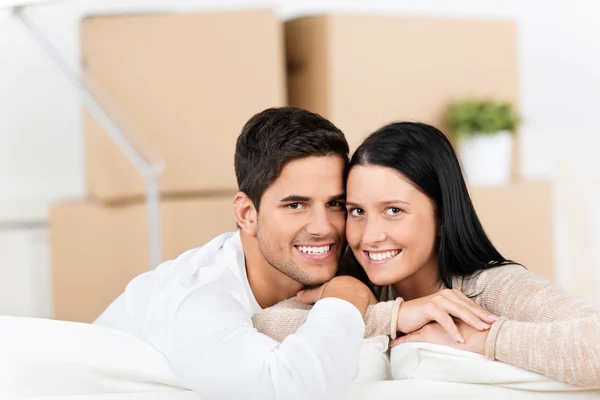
<point x="197" y="310"/>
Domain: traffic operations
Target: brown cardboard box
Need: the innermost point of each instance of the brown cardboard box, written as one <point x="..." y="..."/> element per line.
<point x="97" y="250"/>
<point x="518" y="219"/>
<point x="363" y="71"/>
<point x="188" y="83"/>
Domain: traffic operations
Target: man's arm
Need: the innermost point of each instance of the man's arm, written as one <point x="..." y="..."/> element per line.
<point x="215" y="349"/>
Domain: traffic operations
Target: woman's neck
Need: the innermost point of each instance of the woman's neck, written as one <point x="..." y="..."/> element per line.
<point x="424" y="282"/>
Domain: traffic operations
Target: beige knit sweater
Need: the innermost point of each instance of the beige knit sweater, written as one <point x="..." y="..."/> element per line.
<point x="541" y="328"/>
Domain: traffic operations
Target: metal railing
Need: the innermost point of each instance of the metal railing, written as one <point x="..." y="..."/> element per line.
<point x="132" y="144"/>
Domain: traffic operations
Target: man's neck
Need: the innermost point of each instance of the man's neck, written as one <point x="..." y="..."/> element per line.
<point x="422" y="283"/>
<point x="269" y="286"/>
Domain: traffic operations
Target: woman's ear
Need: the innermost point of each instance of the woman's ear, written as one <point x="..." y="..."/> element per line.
<point x="245" y="213"/>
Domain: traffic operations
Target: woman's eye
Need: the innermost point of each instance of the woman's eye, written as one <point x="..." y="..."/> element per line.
<point x="393" y="211"/>
<point x="356" y="212"/>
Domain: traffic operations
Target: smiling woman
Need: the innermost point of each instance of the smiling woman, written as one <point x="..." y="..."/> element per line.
<point x="415" y="237"/>
<point x="392" y="230"/>
<point x="406" y="194"/>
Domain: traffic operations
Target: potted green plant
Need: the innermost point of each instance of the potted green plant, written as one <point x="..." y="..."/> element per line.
<point x="484" y="130"/>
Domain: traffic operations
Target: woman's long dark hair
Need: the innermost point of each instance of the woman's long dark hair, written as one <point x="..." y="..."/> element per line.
<point x="425" y="156"/>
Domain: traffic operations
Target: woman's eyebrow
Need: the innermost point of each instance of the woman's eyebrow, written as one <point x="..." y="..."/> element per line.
<point x="352" y="204"/>
<point x="395" y="201"/>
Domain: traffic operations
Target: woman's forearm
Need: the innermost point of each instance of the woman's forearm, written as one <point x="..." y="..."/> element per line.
<point x="565" y="350"/>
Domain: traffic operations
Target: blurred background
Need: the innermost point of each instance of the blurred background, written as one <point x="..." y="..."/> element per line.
<point x="143" y="100"/>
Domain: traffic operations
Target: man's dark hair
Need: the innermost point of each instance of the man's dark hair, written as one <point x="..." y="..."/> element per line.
<point x="276" y="136"/>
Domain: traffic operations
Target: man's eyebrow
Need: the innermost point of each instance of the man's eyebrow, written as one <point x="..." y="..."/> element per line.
<point x="338" y="197"/>
<point x="295" y="197"/>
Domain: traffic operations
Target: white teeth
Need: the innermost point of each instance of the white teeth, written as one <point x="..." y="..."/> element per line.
<point x="383" y="256"/>
<point x="314" y="250"/>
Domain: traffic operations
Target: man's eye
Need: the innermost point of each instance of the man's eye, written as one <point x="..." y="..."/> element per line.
<point x="294" y="206"/>
<point x="336" y="204"/>
<point x="356" y="212"/>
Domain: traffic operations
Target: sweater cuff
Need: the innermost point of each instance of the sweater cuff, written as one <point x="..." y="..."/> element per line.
<point x="394" y="320"/>
<point x="490" y="344"/>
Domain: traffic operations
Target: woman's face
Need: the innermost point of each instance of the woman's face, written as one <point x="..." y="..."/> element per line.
<point x="391" y="227"/>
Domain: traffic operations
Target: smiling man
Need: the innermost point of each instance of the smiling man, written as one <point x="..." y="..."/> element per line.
<point x="197" y="309"/>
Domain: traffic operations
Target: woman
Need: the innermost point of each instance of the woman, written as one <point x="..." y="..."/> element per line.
<point x="413" y="229"/>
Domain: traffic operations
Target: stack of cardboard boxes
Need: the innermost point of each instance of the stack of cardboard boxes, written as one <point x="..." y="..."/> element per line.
<point x="363" y="71"/>
<point x="188" y="82"/>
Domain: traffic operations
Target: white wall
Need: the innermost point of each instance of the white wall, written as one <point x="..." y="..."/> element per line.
<point x="40" y="141"/>
<point x="41" y="158"/>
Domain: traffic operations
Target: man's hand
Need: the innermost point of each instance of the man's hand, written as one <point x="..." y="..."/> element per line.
<point x="434" y="333"/>
<point x="343" y="287"/>
<point x="441" y="307"/>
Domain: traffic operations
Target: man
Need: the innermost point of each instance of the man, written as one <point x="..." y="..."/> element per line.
<point x="197" y="309"/>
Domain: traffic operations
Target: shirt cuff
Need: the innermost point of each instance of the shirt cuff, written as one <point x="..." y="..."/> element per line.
<point x="340" y="312"/>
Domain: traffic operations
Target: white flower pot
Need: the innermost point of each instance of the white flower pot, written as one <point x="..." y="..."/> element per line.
<point x="487" y="158"/>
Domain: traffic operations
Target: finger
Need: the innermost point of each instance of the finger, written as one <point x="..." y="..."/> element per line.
<point x="311" y="296"/>
<point x="459" y="297"/>
<point x="476" y="308"/>
<point x="461" y="312"/>
<point x="446" y="321"/>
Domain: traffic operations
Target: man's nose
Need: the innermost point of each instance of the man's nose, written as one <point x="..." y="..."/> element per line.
<point x="319" y="223"/>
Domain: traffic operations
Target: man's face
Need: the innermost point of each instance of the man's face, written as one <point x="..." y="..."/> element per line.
<point x="302" y="218"/>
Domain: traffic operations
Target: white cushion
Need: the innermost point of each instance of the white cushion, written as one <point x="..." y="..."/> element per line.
<point x="425" y="361"/>
<point x="57" y="360"/>
<point x="40" y="357"/>
<point x="374" y="362"/>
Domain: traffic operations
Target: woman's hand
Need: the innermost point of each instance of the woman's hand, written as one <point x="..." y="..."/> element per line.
<point x="441" y="307"/>
<point x="434" y="333"/>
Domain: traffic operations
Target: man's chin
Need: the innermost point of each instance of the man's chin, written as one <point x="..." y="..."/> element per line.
<point x="319" y="277"/>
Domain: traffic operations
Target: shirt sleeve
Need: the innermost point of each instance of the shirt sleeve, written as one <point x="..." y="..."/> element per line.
<point x="216" y="350"/>
<point x="284" y="318"/>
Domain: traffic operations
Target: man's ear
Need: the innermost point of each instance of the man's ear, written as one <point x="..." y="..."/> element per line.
<point x="245" y="213"/>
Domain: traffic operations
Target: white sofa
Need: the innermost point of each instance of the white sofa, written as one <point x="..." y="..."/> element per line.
<point x="46" y="359"/>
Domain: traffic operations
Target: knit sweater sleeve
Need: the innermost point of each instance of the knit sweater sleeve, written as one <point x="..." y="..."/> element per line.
<point x="542" y="328"/>
<point x="284" y="318"/>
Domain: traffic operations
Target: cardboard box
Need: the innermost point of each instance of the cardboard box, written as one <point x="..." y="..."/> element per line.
<point x="188" y="82"/>
<point x="97" y="250"/>
<point x="364" y="71"/>
<point x="519" y="221"/>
